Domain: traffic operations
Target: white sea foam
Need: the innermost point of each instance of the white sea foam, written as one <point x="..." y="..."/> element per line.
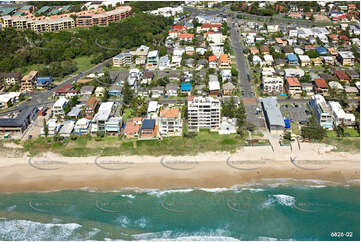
<point x="29" y="230"/>
<point x="11" y="208"/>
<point x="132" y="196"/>
<point x="142" y="222"/>
<point x="122" y="220"/>
<point x="285" y="200"/>
<point x="217" y="235"/>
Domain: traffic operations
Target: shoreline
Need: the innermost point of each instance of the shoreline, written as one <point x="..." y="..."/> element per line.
<point x="248" y="165"/>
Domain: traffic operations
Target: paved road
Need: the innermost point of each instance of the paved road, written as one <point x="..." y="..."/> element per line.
<point x="277" y="19"/>
<point x="44" y="98"/>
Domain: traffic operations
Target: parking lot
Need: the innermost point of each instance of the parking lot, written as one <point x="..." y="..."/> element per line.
<point x="296" y="112"/>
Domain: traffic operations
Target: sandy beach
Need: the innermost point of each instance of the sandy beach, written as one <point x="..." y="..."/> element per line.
<point x="209" y="170"/>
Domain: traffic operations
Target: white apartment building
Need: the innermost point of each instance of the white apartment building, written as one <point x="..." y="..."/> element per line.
<point x="272" y="84"/>
<point x="170" y="122"/>
<point x="204" y="112"/>
<point x="122" y="59"/>
<point x="53" y="127"/>
<point x="340" y="116"/>
<point x="322" y="111"/>
<point x="59" y="105"/>
<point x="101" y="117"/>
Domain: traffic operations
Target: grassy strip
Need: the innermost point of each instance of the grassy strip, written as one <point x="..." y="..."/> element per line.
<point x="351" y="145"/>
<point x="89" y="146"/>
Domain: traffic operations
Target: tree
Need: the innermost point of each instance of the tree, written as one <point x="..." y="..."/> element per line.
<point x="45" y="128"/>
<point x="306" y="78"/>
<point x="127" y="93"/>
<point x="234" y="71"/>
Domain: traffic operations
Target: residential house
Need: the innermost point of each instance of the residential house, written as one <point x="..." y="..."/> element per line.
<point x="132" y="127"/>
<point x="224" y="61"/>
<point x="292" y="59"/>
<point x="152" y="58"/>
<point x="308" y="88"/>
<point x="43" y="82"/>
<point x="171" y="90"/>
<point x="322" y="111"/>
<point x="157" y="91"/>
<point x="305" y="60"/>
<point x="346" y="58"/>
<point x="67" y="128"/>
<point x="59" y="105"/>
<point x="100" y="92"/>
<point x="186" y="87"/>
<point x="321" y="50"/>
<point x="67" y="90"/>
<point x="264" y="50"/>
<point x="82" y="126"/>
<point x="104" y="111"/>
<point x="9" y="98"/>
<point x="204" y="112"/>
<point x="226" y="75"/>
<point x="91" y="107"/>
<point x="253" y="50"/>
<point x="272" y="84"/>
<point x="115" y="90"/>
<point x="189" y="50"/>
<point x="185" y="36"/>
<point x="316" y="61"/>
<point x="342" y="76"/>
<point x="113" y="125"/>
<point x="213" y="85"/>
<point x="170" y="122"/>
<point x="268" y="60"/>
<point x="147" y="77"/>
<point x="328" y="60"/>
<point x="212" y="60"/>
<point x="294" y="72"/>
<point x="320" y="86"/>
<point x="353" y="74"/>
<point x="293" y="86"/>
<point x="75" y="112"/>
<point x="213" y="37"/>
<point x="53" y="127"/>
<point x="28" y="81"/>
<point x="228" y="89"/>
<point x="163" y="63"/>
<point x="148" y="129"/>
<point x="87" y="90"/>
<point x="10" y="78"/>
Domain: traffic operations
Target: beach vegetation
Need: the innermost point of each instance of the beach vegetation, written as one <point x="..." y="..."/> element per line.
<point x="190" y="144"/>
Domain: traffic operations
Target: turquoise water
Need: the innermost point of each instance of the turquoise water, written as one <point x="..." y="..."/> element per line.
<point x="260" y="212"/>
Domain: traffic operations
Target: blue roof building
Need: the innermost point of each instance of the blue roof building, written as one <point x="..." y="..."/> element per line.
<point x="148" y="124"/>
<point x="186" y="86"/>
<point x="292" y="59"/>
<point x="115" y="91"/>
<point x="42" y="82"/>
<point x="321" y="50"/>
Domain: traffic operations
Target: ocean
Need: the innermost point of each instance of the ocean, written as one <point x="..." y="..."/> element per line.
<point x="277" y="209"/>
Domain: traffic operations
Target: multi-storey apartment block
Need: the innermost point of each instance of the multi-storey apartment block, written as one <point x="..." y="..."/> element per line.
<point x="170" y="122"/>
<point x="322" y="111"/>
<point x="28" y="81"/>
<point x="204" y="112"/>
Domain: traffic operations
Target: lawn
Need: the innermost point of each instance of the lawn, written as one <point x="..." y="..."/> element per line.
<point x="88" y="146"/>
<point x="83" y="63"/>
<point x="351" y="145"/>
<point x="349" y="132"/>
<point x="295" y="128"/>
